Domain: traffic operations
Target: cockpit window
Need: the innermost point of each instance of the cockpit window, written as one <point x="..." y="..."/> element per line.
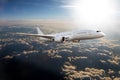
<point x="98" y="31"/>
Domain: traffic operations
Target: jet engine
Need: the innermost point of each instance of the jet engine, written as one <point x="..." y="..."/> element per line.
<point x="60" y="39"/>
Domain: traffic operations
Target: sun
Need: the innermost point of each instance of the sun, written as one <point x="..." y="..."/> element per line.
<point x="92" y="12"/>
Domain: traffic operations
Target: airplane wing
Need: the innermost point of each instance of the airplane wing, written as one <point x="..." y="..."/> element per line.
<point x="35" y="35"/>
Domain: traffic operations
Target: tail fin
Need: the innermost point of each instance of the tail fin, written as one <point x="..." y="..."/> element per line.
<point x="39" y="31"/>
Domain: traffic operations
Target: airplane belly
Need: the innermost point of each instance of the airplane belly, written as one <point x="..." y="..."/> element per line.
<point x="43" y="39"/>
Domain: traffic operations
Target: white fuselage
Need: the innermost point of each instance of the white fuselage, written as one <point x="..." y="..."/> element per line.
<point x="77" y="35"/>
<point x="68" y="36"/>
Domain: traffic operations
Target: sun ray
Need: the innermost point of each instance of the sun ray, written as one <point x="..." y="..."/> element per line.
<point x="92" y="12"/>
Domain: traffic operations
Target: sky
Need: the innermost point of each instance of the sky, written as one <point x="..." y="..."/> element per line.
<point x="31" y="9"/>
<point x="86" y="13"/>
<point x="51" y="9"/>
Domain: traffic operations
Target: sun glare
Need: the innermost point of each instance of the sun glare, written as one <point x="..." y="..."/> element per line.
<point x="92" y="12"/>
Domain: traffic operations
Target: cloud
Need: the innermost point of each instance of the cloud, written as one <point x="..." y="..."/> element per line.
<point x="102" y="61"/>
<point x="68" y="6"/>
<point x="66" y="50"/>
<point x="88" y="73"/>
<point x="76" y="58"/>
<point x="102" y="54"/>
<point x="68" y="67"/>
<point x="29" y="52"/>
<point x="8" y="57"/>
<point x="115" y="79"/>
<point x="72" y="55"/>
<point x="114" y="60"/>
<point x="109" y="43"/>
<point x="110" y="71"/>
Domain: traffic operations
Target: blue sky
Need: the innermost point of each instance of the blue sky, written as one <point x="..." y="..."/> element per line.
<point x="81" y="13"/>
<point x="32" y="9"/>
<point x="40" y="9"/>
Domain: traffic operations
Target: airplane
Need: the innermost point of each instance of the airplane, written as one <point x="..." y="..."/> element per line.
<point x="74" y="36"/>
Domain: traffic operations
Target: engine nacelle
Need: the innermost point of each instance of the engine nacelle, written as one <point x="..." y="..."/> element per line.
<point x="60" y="39"/>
